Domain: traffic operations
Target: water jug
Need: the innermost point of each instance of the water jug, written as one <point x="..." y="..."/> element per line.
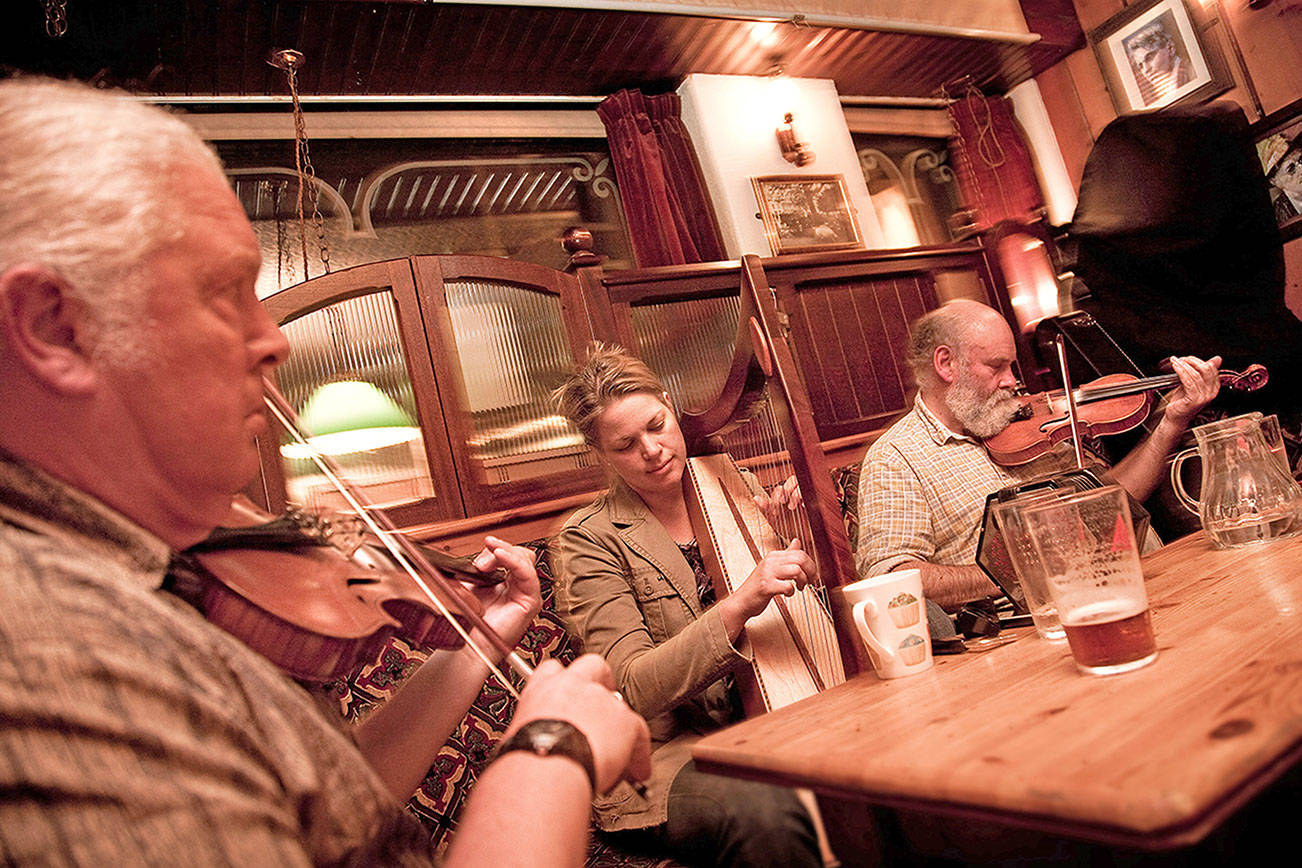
<point x="1246" y="495"/>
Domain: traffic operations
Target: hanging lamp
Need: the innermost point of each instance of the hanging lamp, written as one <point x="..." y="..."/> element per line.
<point x="347" y="416"/>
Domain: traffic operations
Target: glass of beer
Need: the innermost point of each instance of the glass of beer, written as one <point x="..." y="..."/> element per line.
<point x="1091" y="564"/>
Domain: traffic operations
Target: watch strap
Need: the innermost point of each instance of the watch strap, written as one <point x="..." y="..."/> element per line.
<point x="548" y="737"/>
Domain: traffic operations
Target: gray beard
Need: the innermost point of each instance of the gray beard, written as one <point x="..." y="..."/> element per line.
<point x="981" y="417"/>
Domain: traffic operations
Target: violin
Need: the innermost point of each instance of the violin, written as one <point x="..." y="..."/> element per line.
<point x="1109" y="405"/>
<point x="281" y="587"/>
<point x="314" y="611"/>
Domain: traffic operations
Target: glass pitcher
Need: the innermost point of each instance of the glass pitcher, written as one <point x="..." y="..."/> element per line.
<point x="1246" y="497"/>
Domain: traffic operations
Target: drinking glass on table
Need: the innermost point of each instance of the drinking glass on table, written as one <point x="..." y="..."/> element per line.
<point x="1087" y="546"/>
<point x="1009" y="516"/>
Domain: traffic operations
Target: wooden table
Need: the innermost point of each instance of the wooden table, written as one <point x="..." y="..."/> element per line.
<point x="1154" y="758"/>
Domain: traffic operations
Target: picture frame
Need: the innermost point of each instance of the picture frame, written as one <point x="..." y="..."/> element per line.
<point x="1278" y="140"/>
<point x="803" y="213"/>
<point x="1151" y="57"/>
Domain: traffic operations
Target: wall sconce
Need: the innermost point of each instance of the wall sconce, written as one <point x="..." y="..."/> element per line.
<point x="793" y="150"/>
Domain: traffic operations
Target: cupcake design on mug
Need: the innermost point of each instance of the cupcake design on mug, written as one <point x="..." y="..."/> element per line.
<point x="904" y="610"/>
<point x="913" y="650"/>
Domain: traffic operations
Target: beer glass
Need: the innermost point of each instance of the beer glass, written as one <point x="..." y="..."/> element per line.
<point x="1026" y="562"/>
<point x="1087" y="546"/>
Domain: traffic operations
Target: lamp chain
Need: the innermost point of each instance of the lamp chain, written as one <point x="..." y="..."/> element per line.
<point x="56" y="18"/>
<point x="290" y="61"/>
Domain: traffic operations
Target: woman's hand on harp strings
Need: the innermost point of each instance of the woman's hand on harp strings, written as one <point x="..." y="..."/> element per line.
<point x="779" y="573"/>
<point x="781" y="499"/>
<point x="509" y="607"/>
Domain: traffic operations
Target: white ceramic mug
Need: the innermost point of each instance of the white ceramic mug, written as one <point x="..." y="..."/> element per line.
<point x="891" y="617"/>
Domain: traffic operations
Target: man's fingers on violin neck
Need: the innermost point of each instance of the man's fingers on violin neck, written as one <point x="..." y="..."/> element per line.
<point x="639" y="766"/>
<point x="494" y="546"/>
<point x="518" y="562"/>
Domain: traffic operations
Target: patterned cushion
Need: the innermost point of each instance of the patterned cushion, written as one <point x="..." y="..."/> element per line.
<point x="845" y="479"/>
<point x="445" y="789"/>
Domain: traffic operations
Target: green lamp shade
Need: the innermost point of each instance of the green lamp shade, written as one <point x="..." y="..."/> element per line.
<point x="351" y="416"/>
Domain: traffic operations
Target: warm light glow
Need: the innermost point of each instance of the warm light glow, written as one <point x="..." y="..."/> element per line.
<point x="784" y="98"/>
<point x="349" y="442"/>
<point x="895" y="218"/>
<point x="1032" y="288"/>
<point x="765" y="34"/>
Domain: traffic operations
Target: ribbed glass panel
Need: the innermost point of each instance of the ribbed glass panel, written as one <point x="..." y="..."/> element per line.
<point x="689" y="345"/>
<point x="513" y="352"/>
<point x="356" y="339"/>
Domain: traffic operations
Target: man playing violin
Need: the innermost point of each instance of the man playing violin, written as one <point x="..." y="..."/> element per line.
<point x="924" y="482"/>
<point x="132" y="352"/>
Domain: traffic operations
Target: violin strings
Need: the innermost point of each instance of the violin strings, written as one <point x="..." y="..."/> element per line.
<point x="286" y="416"/>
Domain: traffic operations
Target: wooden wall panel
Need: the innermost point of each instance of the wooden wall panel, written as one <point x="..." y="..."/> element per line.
<point x="1270" y="39"/>
<point x="849" y="338"/>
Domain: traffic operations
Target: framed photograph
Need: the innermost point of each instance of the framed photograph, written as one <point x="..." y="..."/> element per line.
<point x="1278" y="138"/>
<point x="806" y="212"/>
<point x="1151" y="57"/>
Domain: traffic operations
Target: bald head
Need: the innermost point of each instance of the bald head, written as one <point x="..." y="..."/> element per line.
<point x="954" y="325"/>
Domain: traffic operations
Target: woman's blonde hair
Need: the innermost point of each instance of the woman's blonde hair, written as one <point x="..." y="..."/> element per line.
<point x="610" y="372"/>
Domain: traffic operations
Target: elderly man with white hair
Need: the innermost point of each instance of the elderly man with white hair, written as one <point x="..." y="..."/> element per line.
<point x="132" y="730"/>
<point x="924" y="482"/>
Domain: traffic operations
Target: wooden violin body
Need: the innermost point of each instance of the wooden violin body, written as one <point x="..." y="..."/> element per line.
<point x="304" y="605"/>
<point x="1108" y="405"/>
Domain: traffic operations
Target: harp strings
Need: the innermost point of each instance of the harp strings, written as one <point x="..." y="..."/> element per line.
<point x="759" y="445"/>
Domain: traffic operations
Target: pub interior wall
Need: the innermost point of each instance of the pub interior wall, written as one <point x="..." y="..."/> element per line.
<point x="1262" y="49"/>
<point x="733" y="121"/>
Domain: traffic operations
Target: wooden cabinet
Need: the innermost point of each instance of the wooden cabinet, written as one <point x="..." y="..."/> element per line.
<point x="469" y="348"/>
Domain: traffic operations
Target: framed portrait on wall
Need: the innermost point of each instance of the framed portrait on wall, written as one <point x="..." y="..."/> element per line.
<point x="1278" y="138"/>
<point x="802" y="213"/>
<point x="1151" y="56"/>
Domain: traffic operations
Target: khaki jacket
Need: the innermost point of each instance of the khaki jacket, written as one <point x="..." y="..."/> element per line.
<point x="626" y="591"/>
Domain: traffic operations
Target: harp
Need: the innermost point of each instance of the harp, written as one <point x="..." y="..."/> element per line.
<point x="761" y="427"/>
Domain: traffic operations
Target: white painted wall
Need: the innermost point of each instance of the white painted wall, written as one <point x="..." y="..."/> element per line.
<point x="1059" y="193"/>
<point x="733" y="119"/>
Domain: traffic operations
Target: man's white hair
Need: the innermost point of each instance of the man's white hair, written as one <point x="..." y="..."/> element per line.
<point x="83" y="178"/>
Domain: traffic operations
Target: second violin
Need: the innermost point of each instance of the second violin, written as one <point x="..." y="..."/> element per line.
<point x="1108" y="405"/>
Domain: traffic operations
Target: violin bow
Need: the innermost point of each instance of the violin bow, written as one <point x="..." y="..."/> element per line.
<point x="1061" y="345"/>
<point x="403" y="550"/>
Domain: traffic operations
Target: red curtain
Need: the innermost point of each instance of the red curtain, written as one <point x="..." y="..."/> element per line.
<point x="660" y="181"/>
<point x="993" y="161"/>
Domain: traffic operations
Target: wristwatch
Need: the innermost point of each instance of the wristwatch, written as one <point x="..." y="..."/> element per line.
<point x="545" y="737"/>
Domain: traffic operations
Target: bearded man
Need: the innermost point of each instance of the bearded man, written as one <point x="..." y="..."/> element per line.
<point x="924" y="482"/>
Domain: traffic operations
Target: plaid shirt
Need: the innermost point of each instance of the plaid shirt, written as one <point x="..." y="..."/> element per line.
<point x="923" y="489"/>
<point x="134" y="732"/>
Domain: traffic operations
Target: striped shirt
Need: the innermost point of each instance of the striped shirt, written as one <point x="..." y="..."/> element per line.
<point x="134" y="732"/>
<point x="923" y="489"/>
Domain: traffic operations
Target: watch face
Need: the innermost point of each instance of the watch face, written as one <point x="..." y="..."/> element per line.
<point x="546" y="734"/>
<point x="546" y="737"/>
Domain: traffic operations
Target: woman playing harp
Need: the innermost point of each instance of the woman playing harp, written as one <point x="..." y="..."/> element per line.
<point x="632" y="586"/>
